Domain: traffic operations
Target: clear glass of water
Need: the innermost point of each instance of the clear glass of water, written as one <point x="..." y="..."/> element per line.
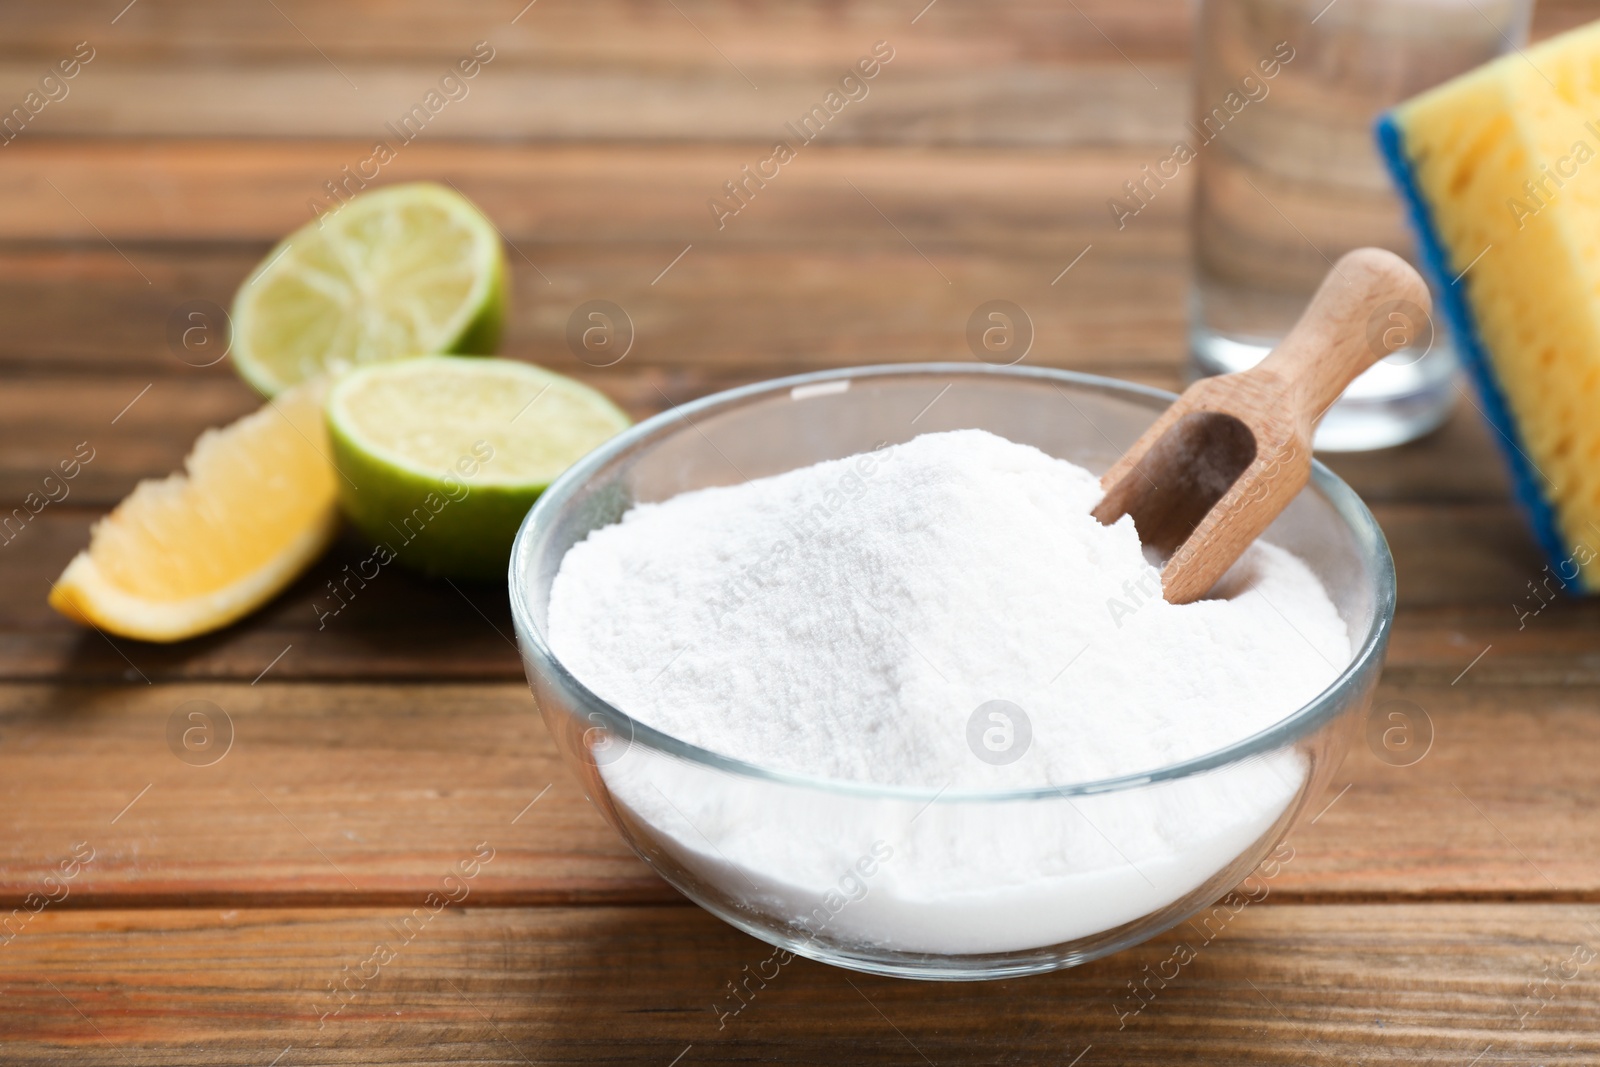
<point x="1288" y="178"/>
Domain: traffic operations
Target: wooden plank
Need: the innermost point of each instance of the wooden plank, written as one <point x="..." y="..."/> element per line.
<point x="325" y="793"/>
<point x="1447" y="804"/>
<point x="807" y="31"/>
<point x="747" y="312"/>
<point x="1562" y="15"/>
<point x="1024" y="73"/>
<point x="794" y="35"/>
<point x="45" y="417"/>
<point x="340" y="792"/>
<point x="1464" y="587"/>
<point x="1519" y="641"/>
<point x="1375" y="984"/>
<point x="1008" y="73"/>
<point x="992" y="102"/>
<point x="401" y="625"/>
<point x="752" y="310"/>
<point x="820" y="279"/>
<point x="1466" y="567"/>
<point x="255" y="191"/>
<point x="791" y="35"/>
<point x="411" y="628"/>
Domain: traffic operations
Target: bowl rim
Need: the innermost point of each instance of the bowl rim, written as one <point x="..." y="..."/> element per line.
<point x="1369" y="538"/>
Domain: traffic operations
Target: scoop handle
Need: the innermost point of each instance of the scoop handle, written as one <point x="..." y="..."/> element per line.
<point x="1371" y="304"/>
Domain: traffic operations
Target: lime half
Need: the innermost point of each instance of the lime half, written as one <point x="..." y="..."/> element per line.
<point x="401" y="271"/>
<point x="442" y="456"/>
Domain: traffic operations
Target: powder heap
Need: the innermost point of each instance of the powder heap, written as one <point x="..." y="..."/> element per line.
<point x="859" y="619"/>
<point x="845" y="620"/>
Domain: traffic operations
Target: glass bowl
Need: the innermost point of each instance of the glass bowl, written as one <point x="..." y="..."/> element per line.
<point x="902" y="881"/>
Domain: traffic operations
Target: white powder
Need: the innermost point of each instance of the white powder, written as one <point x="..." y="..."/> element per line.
<point x="847" y="621"/>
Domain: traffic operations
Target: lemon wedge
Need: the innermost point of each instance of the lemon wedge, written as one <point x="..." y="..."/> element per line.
<point x="255" y="505"/>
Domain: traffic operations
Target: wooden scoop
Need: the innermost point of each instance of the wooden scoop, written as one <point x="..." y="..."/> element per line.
<point x="1218" y="466"/>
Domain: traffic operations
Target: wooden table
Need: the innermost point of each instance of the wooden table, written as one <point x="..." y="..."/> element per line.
<point x="1438" y="913"/>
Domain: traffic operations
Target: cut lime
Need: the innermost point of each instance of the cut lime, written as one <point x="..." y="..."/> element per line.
<point x="443" y="456"/>
<point x="401" y="271"/>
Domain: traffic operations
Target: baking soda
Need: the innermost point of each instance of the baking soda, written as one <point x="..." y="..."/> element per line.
<point x="943" y="615"/>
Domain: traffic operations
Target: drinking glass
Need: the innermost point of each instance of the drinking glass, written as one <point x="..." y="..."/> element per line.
<point x="1288" y="179"/>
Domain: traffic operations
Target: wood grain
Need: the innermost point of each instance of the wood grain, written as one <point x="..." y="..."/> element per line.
<point x="45" y="415"/>
<point x="1012" y="73"/>
<point x="1000" y="103"/>
<point x="1426" y="906"/>
<point x="1463" y="570"/>
<point x="135" y="432"/>
<point x="325" y="793"/>
<point x="1006" y="73"/>
<point x="338" y="792"/>
<point x="171" y="191"/>
<point x="1379" y="985"/>
<point x="629" y="31"/>
<point x="802" y="32"/>
<point x="809" y="275"/>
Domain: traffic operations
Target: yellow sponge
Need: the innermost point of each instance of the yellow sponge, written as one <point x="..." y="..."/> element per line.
<point x="1502" y="170"/>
